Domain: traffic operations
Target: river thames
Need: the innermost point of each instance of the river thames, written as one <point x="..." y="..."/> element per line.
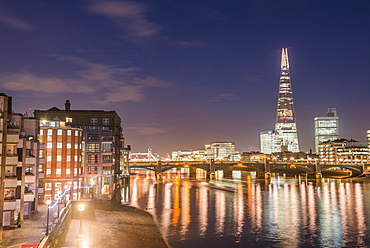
<point x="247" y="212"/>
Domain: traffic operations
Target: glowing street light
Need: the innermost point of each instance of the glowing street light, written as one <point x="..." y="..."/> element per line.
<point x="81" y="208"/>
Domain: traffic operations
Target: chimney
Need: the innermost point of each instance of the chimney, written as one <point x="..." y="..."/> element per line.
<point x="67" y="105"/>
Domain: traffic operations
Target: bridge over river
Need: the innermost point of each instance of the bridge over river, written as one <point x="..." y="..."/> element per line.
<point x="265" y="167"/>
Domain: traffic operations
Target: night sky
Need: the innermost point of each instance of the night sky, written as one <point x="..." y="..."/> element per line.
<point x="184" y="73"/>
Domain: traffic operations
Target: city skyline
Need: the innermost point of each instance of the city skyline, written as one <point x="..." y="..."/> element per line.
<point x="183" y="74"/>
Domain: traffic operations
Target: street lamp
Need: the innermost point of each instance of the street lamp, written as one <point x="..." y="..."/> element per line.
<point x="48" y="202"/>
<point x="81" y="208"/>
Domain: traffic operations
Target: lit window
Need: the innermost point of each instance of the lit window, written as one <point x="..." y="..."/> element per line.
<point x="68" y="171"/>
<point x="59" y="145"/>
<point x="60" y="132"/>
<point x="68" y="158"/>
<point x="76" y="158"/>
<point x="58" y="171"/>
<point x="59" y="158"/>
<point x="76" y="146"/>
<point x="69" y="132"/>
<point x="42" y="132"/>
<point x="76" y="133"/>
<point x="48" y="158"/>
<point x="69" y="145"/>
<point x="49" y="145"/>
<point x="68" y="119"/>
<point x="48" y="171"/>
<point x="50" y="131"/>
<point x="94" y="121"/>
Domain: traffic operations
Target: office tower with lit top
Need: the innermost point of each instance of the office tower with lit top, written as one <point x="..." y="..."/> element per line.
<point x="284" y="137"/>
<point x="326" y="127"/>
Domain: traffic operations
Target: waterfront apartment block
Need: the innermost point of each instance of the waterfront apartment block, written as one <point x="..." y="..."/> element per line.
<point x="343" y="151"/>
<point x="102" y="135"/>
<point x="326" y="127"/>
<point x="19" y="164"/>
<point x="63" y="167"/>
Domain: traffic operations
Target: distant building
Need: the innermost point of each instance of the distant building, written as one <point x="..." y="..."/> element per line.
<point x="63" y="165"/>
<point x="270" y="142"/>
<point x="368" y="142"/>
<point x="284" y="137"/>
<point x="102" y="133"/>
<point x="224" y="150"/>
<point x="19" y="164"/>
<point x="326" y="127"/>
<point x="343" y="151"/>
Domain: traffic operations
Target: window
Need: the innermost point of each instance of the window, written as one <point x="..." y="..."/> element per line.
<point x="107" y="159"/>
<point x="107" y="170"/>
<point x="48" y="171"/>
<point x="41" y="131"/>
<point x="47" y="186"/>
<point x="93" y="136"/>
<point x="107" y="136"/>
<point x="48" y="158"/>
<point x="69" y="132"/>
<point x="92" y="159"/>
<point x="49" y="145"/>
<point x="58" y="171"/>
<point x="50" y="131"/>
<point x="59" y="158"/>
<point x="68" y="158"/>
<point x="68" y="119"/>
<point x="106" y="147"/>
<point x="69" y="145"/>
<point x="60" y="131"/>
<point x="105" y="121"/>
<point x="76" y="146"/>
<point x="76" y="133"/>
<point x="94" y="121"/>
<point x="68" y="171"/>
<point x="92" y="147"/>
<point x="59" y="145"/>
<point x="76" y="158"/>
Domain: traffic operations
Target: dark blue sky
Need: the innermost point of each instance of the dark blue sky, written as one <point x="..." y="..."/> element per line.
<point x="185" y="73"/>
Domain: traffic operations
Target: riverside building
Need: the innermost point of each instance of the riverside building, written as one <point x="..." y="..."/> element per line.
<point x="63" y="167"/>
<point x="19" y="164"/>
<point x="102" y="135"/>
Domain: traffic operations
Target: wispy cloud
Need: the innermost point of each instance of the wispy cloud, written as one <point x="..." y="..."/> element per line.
<point x="108" y="83"/>
<point x="140" y="129"/>
<point x="189" y="44"/>
<point x="130" y="16"/>
<point x="12" y="21"/>
<point x="221" y="97"/>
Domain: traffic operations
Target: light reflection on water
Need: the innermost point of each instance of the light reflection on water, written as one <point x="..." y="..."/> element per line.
<point x="255" y="213"/>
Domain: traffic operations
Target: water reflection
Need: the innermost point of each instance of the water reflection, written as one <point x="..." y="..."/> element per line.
<point x="255" y="213"/>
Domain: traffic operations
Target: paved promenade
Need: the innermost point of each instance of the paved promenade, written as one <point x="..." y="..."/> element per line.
<point x="123" y="227"/>
<point x="29" y="233"/>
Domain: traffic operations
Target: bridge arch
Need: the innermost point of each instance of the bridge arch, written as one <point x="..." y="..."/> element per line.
<point x="357" y="168"/>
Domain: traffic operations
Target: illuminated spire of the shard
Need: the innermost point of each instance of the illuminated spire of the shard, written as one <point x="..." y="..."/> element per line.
<point x="286" y="127"/>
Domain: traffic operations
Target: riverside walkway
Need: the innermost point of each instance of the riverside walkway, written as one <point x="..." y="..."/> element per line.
<point x="123" y="226"/>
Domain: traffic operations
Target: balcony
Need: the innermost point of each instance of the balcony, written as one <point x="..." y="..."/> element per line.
<point x="30" y="160"/>
<point x="10" y="182"/>
<point x="30" y="178"/>
<point x="11" y="160"/>
<point x="10" y="205"/>
<point x="12" y="138"/>
<point x="29" y="197"/>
